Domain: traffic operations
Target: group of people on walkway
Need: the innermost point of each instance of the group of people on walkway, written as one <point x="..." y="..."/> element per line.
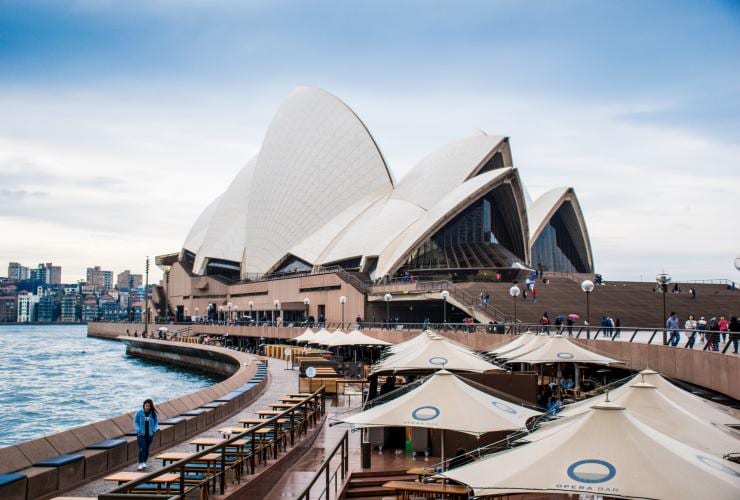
<point x="711" y="332"/>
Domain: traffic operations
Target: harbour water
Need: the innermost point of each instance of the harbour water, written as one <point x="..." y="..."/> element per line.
<point x="55" y="377"/>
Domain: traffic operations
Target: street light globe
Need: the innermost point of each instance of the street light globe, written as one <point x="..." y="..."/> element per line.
<point x="445" y="294"/>
<point x="276" y="302"/>
<point x="306" y="301"/>
<point x="663" y="278"/>
<point x="342" y="299"/>
<point x="737" y="262"/>
<point x="229" y="304"/>
<point x="221" y="308"/>
<point x="587" y="286"/>
<point x="514" y="291"/>
<point x="387" y="297"/>
<point x="251" y="303"/>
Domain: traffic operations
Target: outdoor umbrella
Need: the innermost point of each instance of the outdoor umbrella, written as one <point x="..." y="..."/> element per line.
<point x="646" y="403"/>
<point x="606" y="452"/>
<point x="319" y="336"/>
<point x="559" y="349"/>
<point x="515" y="343"/>
<point x="335" y="336"/>
<point x="535" y="341"/>
<point x="695" y="405"/>
<point x="357" y="338"/>
<point x="444" y="401"/>
<point x="433" y="354"/>
<point x="305" y="336"/>
<point x="162" y="329"/>
<point x="573" y="316"/>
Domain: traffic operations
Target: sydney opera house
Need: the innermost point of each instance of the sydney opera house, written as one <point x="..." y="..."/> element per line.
<point x="319" y="195"/>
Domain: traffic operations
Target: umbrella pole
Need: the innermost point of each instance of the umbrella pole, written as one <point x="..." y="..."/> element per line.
<point x="443" y="450"/>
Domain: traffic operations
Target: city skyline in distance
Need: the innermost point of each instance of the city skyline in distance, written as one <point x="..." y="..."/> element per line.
<point x="143" y="115"/>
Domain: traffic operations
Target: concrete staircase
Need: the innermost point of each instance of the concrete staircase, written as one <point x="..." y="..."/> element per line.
<point x="635" y="303"/>
<point x="370" y="484"/>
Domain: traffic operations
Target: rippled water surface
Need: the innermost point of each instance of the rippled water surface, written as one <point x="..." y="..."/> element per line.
<point x="55" y="377"/>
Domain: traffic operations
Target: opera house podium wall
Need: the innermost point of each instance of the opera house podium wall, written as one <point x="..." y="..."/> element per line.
<point x="713" y="370"/>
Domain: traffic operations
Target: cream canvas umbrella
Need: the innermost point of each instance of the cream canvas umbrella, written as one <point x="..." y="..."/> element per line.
<point x="535" y="342"/>
<point x="515" y="343"/>
<point x="434" y="354"/>
<point x="646" y="403"/>
<point x="446" y="402"/>
<point x="357" y="338"/>
<point x="695" y="405"/>
<point x="559" y="349"/>
<point x="304" y="337"/>
<point x="604" y="452"/>
<point x="335" y="336"/>
<point x="319" y="336"/>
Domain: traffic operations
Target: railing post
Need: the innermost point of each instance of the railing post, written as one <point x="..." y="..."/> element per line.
<point x="328" y="481"/>
<point x="182" y="481"/>
<point x="222" y="485"/>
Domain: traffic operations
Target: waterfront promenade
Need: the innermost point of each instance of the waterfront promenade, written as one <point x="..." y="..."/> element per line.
<point x="280" y="382"/>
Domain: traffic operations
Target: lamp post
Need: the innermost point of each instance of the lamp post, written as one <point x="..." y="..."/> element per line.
<point x="662" y="280"/>
<point x="342" y="300"/>
<point x="236" y="313"/>
<point x="588" y="287"/>
<point x="221" y="315"/>
<point x="514" y="291"/>
<point x="445" y="295"/>
<point x="388" y="297"/>
<point x="251" y="314"/>
<point x="229" y="306"/>
<point x="277" y="308"/>
<point x="306" y="302"/>
<point x="197" y="317"/>
<point x="186" y="315"/>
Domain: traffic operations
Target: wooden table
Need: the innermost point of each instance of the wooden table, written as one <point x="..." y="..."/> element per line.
<point x="163" y="479"/>
<point x="232" y="430"/>
<point x="303" y="395"/>
<point x="268" y="413"/>
<point x="405" y="489"/>
<point x="202" y="443"/>
<point x="281" y="406"/>
<point x="292" y="400"/>
<point x="210" y="460"/>
<point x="249" y="422"/>
<point x="422" y="472"/>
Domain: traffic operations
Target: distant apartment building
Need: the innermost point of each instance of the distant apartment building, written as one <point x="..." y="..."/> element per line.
<point x="90" y="308"/>
<point x="128" y="280"/>
<point x="18" y="272"/>
<point x="47" y="308"/>
<point x="108" y="308"/>
<point x="99" y="279"/>
<point x="70" y="308"/>
<point x="27" y="303"/>
<point x="8" y="309"/>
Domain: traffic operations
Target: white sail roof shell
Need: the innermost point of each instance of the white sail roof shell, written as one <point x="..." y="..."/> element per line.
<point x="317" y="160"/>
<point x="450" y="166"/>
<point x="197" y="233"/>
<point x="226" y="234"/>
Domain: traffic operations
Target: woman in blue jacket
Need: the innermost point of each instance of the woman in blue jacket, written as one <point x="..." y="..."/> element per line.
<point x="145" y="425"/>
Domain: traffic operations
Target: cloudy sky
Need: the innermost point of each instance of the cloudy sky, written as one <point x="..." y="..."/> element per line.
<point x="121" y="120"/>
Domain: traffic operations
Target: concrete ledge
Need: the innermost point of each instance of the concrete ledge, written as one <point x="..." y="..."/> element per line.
<point x="13" y="486"/>
<point x="44" y="482"/>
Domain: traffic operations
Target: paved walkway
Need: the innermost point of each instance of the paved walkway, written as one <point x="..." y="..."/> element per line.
<point x="281" y="382"/>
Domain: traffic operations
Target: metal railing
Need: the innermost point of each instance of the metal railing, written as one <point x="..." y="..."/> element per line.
<point x="232" y="458"/>
<point x="329" y="476"/>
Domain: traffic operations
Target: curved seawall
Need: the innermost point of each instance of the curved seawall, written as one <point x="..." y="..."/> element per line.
<point x="82" y="457"/>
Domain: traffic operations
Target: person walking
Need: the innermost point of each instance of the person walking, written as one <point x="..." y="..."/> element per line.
<point x="146" y="425"/>
<point x="723" y="325"/>
<point x="734" y="328"/>
<point x="534" y="296"/>
<point x="713" y="335"/>
<point x="690" y="331"/>
<point x="617" y="327"/>
<point x="701" y="326"/>
<point x="671" y="325"/>
<point x="545" y="323"/>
